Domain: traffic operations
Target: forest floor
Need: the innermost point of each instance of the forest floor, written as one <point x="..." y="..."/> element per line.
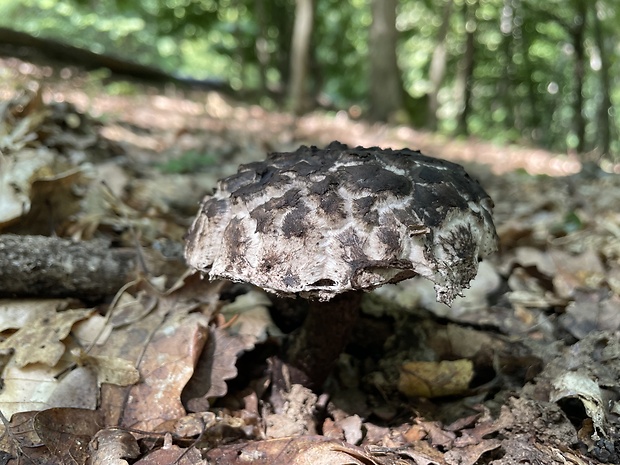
<point x="170" y="368"/>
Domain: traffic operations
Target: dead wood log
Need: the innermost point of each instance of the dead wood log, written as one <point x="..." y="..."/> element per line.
<point x="41" y="266"/>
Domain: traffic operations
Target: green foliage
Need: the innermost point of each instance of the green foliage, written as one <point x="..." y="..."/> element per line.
<point x="523" y="87"/>
<point x="189" y="162"/>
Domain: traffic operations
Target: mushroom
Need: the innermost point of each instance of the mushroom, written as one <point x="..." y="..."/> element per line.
<point x="328" y="224"/>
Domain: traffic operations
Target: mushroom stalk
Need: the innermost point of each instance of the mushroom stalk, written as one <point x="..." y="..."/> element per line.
<point x="324" y="335"/>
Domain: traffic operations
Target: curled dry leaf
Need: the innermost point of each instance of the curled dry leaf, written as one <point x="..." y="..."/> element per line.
<point x="111" y="446"/>
<point x="578" y="385"/>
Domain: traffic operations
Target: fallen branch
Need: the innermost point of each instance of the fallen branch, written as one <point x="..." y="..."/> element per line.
<point x="41" y="266"/>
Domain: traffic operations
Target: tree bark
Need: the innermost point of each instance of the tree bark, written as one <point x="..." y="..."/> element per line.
<point x="507" y="82"/>
<point x="260" y="45"/>
<point x="386" y="90"/>
<point x="534" y="122"/>
<point x="300" y="56"/>
<point x="437" y="69"/>
<point x="577" y="34"/>
<point x="466" y="71"/>
<point x="604" y="122"/>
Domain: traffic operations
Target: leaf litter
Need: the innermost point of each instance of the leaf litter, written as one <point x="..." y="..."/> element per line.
<point x="175" y="369"/>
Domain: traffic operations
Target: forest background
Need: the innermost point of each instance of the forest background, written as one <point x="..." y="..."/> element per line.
<point x="525" y="72"/>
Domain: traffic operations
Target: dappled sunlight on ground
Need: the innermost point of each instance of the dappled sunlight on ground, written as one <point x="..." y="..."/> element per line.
<point x="162" y="120"/>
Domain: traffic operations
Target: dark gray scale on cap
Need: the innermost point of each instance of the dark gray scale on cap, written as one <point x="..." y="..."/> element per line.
<point x="340" y="219"/>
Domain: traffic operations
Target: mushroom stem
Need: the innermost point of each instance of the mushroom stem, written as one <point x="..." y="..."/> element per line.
<point x="323" y="336"/>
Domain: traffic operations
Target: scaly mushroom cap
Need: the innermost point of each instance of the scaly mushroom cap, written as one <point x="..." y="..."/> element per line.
<point x="320" y="222"/>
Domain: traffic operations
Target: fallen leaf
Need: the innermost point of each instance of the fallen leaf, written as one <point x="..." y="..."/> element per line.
<point x="216" y="365"/>
<point x="165" y="367"/>
<point x="17" y="174"/>
<point x="305" y="450"/>
<point x="470" y="455"/>
<point x="19" y="440"/>
<point x="173" y="455"/>
<point x="435" y="379"/>
<point x="27" y="388"/>
<point x="296" y="417"/>
<point x="14" y="313"/>
<point x="112" y="370"/>
<point x="39" y="339"/>
<point x="577" y="385"/>
<point x="66" y="432"/>
<point x="591" y="311"/>
<point x="575" y="271"/>
<point x="252" y="323"/>
<point x="77" y="389"/>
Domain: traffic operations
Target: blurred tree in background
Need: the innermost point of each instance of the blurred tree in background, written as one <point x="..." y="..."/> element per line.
<point x="522" y="71"/>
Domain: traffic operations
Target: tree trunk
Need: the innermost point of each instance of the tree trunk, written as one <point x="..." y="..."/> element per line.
<point x="507" y="82"/>
<point x="466" y="68"/>
<point x="386" y="90"/>
<point x="261" y="45"/>
<point x="437" y="69"/>
<point x="605" y="108"/>
<point x="300" y="56"/>
<point x="577" y="34"/>
<point x="534" y="122"/>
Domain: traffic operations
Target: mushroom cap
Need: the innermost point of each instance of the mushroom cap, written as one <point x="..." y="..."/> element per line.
<point x="319" y="222"/>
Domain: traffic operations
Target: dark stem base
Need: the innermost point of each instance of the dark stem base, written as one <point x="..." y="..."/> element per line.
<point x="323" y="336"/>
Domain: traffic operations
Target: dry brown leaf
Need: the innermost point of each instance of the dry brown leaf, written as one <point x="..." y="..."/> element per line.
<point x="77" y="389"/>
<point x="130" y="308"/>
<point x="39" y="339"/>
<point x="173" y="455"/>
<point x="216" y="365"/>
<point x="423" y="454"/>
<point x="584" y="270"/>
<point x="165" y="368"/>
<point x="26" y="389"/>
<point x="296" y="417"/>
<point x="15" y="312"/>
<point x="21" y="441"/>
<point x="112" y="370"/>
<point x="164" y="344"/>
<point x="66" y="432"/>
<point x="305" y="450"/>
<point x="253" y="323"/>
<point x="438" y="435"/>
<point x="592" y="311"/>
<point x="17" y="174"/>
<point x="435" y="379"/>
<point x="470" y="455"/>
